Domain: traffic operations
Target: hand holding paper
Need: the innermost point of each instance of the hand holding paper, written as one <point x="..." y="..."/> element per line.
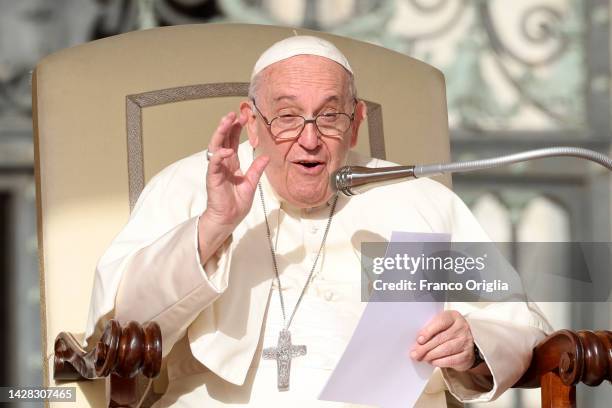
<point x="376" y="368"/>
<point x="446" y="341"/>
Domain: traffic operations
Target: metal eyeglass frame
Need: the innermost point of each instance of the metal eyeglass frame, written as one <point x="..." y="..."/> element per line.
<point x="306" y="121"/>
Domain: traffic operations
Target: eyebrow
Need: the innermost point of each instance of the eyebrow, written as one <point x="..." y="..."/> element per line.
<point x="330" y="98"/>
<point x="280" y="98"/>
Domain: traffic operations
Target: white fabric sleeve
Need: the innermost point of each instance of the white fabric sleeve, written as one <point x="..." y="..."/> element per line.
<point x="505" y="332"/>
<point x="166" y="283"/>
<point x="152" y="270"/>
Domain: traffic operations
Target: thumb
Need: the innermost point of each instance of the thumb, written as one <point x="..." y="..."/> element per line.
<point x="256" y="169"/>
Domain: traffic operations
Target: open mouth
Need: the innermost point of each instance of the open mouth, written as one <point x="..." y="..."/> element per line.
<point x="309" y="164"/>
<point x="310" y="167"/>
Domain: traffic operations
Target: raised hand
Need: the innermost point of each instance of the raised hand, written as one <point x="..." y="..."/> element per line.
<point x="229" y="192"/>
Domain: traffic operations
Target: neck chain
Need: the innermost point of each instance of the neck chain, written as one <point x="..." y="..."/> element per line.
<point x="285" y="351"/>
<point x="275" y="264"/>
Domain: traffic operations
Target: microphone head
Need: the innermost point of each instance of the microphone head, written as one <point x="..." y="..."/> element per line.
<point x="340" y="180"/>
<point x="353" y="180"/>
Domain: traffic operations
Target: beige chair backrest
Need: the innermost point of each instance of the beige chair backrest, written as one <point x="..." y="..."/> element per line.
<point x="110" y="114"/>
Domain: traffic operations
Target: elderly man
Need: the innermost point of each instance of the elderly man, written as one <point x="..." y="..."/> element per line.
<point x="243" y="248"/>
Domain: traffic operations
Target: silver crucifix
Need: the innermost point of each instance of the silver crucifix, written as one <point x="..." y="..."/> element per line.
<point x="283" y="354"/>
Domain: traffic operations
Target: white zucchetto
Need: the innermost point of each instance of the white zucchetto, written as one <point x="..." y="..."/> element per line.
<point x="299" y="45"/>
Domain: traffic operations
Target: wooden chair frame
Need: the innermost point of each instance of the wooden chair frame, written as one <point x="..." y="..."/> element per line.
<point x="562" y="360"/>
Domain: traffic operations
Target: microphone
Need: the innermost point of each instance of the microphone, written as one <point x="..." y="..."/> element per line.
<point x="352" y="180"/>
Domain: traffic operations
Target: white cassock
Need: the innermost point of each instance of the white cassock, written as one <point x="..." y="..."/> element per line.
<point x="215" y="328"/>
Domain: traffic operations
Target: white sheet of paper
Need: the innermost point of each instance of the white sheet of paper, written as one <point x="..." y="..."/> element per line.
<point x="376" y="368"/>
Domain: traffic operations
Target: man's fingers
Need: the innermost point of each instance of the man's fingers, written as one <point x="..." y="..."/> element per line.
<point x="439" y="323"/>
<point x="221" y="133"/>
<point x="420" y="350"/>
<point x="257" y="168"/>
<point x="448" y="348"/>
<point x="459" y="361"/>
<point x="217" y="158"/>
<point x="235" y="130"/>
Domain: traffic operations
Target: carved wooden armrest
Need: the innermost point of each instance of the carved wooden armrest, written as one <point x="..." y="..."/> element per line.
<point x="121" y="353"/>
<point x="566" y="358"/>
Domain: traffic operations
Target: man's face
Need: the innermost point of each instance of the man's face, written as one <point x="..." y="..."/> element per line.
<point x="306" y="85"/>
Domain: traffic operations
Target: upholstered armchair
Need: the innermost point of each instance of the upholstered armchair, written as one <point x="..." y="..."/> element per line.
<point x="110" y="114"/>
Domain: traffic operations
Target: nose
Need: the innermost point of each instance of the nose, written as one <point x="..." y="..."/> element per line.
<point x="309" y="138"/>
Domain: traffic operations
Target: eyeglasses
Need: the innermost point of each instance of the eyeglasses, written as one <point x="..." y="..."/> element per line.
<point x="288" y="127"/>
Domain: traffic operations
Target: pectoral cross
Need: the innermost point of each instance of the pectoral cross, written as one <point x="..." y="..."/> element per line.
<point x="283" y="354"/>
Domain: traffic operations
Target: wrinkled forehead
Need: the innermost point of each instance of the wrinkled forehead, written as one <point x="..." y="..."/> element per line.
<point x="305" y="76"/>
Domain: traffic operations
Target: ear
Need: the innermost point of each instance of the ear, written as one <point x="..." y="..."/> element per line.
<point x="251" y="124"/>
<point x="361" y="112"/>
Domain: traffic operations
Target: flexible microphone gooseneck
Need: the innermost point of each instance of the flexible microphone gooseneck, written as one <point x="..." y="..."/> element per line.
<point x="352" y="180"/>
